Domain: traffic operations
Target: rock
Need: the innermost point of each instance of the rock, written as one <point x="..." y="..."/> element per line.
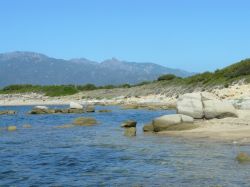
<point x="129" y="123"/>
<point x="7" y="112"/>
<point x="173" y="122"/>
<point x="131" y="131"/>
<point x="41" y="107"/>
<point x="148" y="128"/>
<point x="243" y="104"/>
<point x="190" y="104"/>
<point x="90" y="108"/>
<point x="11" y="128"/>
<point x="73" y="105"/>
<point x="65" y="126"/>
<point x="243" y="157"/>
<point x="130" y="106"/>
<point x="218" y="109"/>
<point x="75" y="110"/>
<point x="84" y="121"/>
<point x="26" y="126"/>
<point x="42" y="111"/>
<point x="104" y="111"/>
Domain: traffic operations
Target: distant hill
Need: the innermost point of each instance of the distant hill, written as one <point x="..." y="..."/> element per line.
<point x="35" y="68"/>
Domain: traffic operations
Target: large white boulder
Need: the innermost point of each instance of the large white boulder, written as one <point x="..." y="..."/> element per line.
<point x="41" y="107"/>
<point x="218" y="109"/>
<point x="172" y="122"/>
<point x="190" y="104"/>
<point x="73" y="105"/>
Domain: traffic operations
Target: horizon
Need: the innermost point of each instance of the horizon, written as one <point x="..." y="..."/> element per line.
<point x="193" y="36"/>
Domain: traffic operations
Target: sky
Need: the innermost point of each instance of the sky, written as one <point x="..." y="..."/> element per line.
<point x="194" y="35"/>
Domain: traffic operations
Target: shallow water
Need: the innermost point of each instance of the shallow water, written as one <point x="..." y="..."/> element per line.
<point x="101" y="156"/>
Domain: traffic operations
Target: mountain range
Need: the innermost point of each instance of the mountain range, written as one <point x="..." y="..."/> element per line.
<point x="35" y="68"/>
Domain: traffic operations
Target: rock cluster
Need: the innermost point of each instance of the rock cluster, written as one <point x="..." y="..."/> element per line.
<point x="74" y="108"/>
<point x="204" y="105"/>
<point x="130" y="128"/>
<point x="192" y="106"/>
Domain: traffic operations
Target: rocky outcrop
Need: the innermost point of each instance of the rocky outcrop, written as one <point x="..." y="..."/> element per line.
<point x="84" y="121"/>
<point x="7" y="112"/>
<point x="204" y="105"/>
<point x="173" y="122"/>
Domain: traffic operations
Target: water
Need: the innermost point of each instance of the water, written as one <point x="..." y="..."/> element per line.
<point x="101" y="156"/>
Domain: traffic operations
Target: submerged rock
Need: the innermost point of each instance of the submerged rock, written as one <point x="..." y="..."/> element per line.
<point x="129" y="123"/>
<point x="85" y="121"/>
<point x="65" y="126"/>
<point x="27" y="126"/>
<point x="11" y="128"/>
<point x="243" y="157"/>
<point x="174" y="122"/>
<point x="131" y="131"/>
<point x="7" y="112"/>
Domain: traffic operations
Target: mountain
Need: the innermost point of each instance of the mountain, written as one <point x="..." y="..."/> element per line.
<point x="35" y="68"/>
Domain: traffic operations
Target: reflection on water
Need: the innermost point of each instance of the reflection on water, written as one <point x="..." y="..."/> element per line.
<point x="102" y="156"/>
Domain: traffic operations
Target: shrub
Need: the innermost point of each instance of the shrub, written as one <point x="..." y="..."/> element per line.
<point x="166" y="77"/>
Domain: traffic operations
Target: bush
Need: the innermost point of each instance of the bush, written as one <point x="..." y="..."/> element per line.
<point x="166" y="77"/>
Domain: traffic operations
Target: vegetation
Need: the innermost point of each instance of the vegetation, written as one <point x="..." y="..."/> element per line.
<point x="224" y="77"/>
<point x="167" y="77"/>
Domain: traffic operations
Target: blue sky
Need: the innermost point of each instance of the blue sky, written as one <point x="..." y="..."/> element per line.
<point x="195" y="35"/>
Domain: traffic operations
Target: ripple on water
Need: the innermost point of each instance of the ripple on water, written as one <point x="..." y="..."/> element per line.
<point x="101" y="156"/>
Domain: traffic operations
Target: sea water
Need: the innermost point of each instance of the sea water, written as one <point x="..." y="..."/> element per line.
<point x="100" y="155"/>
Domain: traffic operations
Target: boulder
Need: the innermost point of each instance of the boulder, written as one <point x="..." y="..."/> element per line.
<point x="243" y="157"/>
<point x="7" y="112"/>
<point x="129" y="123"/>
<point x="173" y="122"/>
<point x="90" y="108"/>
<point x="148" y="128"/>
<point x="85" y="121"/>
<point x="218" y="109"/>
<point x="41" y="107"/>
<point x="190" y="104"/>
<point x="11" y="128"/>
<point x="73" y="105"/>
<point x="42" y="111"/>
<point x="131" y="131"/>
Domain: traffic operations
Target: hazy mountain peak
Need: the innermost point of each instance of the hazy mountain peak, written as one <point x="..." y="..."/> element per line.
<point x="35" y="68"/>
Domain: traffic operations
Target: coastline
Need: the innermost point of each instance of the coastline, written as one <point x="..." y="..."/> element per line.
<point x="234" y="130"/>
